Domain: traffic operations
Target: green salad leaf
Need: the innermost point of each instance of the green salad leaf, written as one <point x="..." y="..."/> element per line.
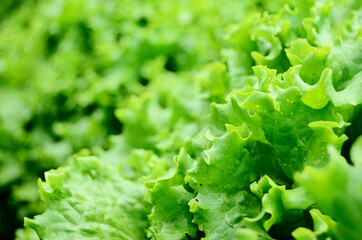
<point x="76" y="208"/>
<point x="189" y="119"/>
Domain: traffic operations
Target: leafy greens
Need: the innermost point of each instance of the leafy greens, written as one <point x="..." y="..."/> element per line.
<point x="244" y="143"/>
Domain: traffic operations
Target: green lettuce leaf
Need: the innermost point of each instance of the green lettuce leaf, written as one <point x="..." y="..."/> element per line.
<point x="170" y="217"/>
<point x="87" y="200"/>
<point x="337" y="191"/>
<point x="222" y="177"/>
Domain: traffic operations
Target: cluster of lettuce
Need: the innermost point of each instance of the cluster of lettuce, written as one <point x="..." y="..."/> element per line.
<point x="66" y="66"/>
<point x="227" y="133"/>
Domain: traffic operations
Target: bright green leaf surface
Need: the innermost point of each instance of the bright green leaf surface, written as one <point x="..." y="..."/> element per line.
<point x="86" y="200"/>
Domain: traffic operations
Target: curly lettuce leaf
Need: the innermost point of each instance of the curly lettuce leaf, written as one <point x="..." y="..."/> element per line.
<point x="222" y="177"/>
<point x="87" y="200"/>
<point x="170" y="217"/>
<point x="337" y="191"/>
<point x="323" y="227"/>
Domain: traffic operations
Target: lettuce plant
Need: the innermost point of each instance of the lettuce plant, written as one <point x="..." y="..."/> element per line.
<point x="65" y="68"/>
<point x="242" y="145"/>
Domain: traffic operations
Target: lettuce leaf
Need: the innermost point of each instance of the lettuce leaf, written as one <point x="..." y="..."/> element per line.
<point x="337" y="191"/>
<point x="86" y="199"/>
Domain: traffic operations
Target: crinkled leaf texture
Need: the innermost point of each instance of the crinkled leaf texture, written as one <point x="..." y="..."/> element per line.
<point x="337" y="189"/>
<point x="222" y="178"/>
<point x="89" y="201"/>
<point x="286" y="213"/>
<point x="170" y="217"/>
<point x="234" y="175"/>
